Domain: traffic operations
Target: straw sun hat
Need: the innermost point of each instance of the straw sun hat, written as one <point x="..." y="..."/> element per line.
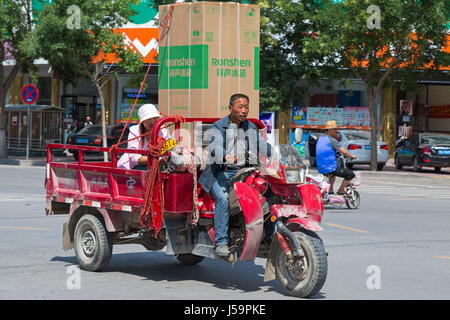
<point x="331" y="124"/>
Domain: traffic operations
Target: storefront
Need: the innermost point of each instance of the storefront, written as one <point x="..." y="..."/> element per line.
<point x="437" y="115"/>
<point x="424" y="110"/>
<point x="348" y="106"/>
<point x="127" y="94"/>
<point x="79" y="101"/>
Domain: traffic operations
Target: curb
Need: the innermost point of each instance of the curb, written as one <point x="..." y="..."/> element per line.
<point x="23" y="163"/>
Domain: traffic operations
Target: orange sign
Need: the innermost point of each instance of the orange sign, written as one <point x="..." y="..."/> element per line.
<point x="142" y="40"/>
<point x="439" y="111"/>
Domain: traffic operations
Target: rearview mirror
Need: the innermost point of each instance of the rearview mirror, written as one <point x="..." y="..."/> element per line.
<point x="298" y="135"/>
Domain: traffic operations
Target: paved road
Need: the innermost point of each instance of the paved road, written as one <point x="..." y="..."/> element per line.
<point x="395" y="246"/>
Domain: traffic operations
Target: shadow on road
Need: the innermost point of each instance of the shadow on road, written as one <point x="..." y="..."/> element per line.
<point x="158" y="266"/>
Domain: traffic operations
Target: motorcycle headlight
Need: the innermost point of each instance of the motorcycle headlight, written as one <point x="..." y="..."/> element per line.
<point x="292" y="176"/>
<point x="295" y="175"/>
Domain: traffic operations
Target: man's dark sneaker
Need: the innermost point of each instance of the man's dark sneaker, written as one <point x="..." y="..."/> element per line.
<point x="222" y="250"/>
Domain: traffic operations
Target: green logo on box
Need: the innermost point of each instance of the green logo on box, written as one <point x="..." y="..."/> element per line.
<point x="183" y="67"/>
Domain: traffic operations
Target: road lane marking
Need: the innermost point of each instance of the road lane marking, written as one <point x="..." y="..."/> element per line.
<point x="345" y="228"/>
<point x="24" y="228"/>
<point x="443" y="257"/>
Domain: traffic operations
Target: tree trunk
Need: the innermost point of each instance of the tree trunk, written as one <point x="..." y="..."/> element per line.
<point x="4" y="87"/>
<point x="283" y="126"/>
<point x="373" y="129"/>
<point x="3" y="153"/>
<point x="103" y="111"/>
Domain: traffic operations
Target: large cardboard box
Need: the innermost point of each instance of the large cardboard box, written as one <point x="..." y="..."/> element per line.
<point x="210" y="50"/>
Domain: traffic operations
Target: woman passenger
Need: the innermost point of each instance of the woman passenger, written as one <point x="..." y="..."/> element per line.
<point x="148" y="116"/>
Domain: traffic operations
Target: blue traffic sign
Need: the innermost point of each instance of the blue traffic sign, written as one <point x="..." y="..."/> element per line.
<point x="29" y="94"/>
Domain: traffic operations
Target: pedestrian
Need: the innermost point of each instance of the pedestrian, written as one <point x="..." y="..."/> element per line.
<point x="73" y="127"/>
<point x="88" y="123"/>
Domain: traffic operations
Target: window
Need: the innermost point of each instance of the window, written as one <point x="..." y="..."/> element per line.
<point x="44" y="86"/>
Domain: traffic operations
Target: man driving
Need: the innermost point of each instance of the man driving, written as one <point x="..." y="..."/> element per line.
<point x="231" y="138"/>
<point x="326" y="149"/>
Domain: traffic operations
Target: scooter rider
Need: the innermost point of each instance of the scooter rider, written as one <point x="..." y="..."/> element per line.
<point x="228" y="153"/>
<point x="326" y="149"/>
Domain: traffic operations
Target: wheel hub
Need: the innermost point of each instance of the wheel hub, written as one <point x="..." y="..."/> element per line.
<point x="88" y="243"/>
<point x="298" y="268"/>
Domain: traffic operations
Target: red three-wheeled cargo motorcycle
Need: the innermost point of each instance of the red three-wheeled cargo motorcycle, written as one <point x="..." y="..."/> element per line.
<point x="274" y="214"/>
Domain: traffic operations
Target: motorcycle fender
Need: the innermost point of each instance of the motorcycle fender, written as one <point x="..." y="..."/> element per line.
<point x="270" y="268"/>
<point x="305" y="223"/>
<point x="312" y="200"/>
<point x="67" y="242"/>
<point x="253" y="216"/>
<point x="296" y="215"/>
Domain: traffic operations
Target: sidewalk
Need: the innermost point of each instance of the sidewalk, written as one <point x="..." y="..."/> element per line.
<point x="33" y="161"/>
<point x="23" y="162"/>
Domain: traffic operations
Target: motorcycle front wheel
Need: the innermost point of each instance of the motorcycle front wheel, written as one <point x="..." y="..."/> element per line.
<point x="305" y="276"/>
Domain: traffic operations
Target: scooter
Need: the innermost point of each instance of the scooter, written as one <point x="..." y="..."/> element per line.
<point x="351" y="197"/>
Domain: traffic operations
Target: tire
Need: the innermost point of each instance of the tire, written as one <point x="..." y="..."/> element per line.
<point x="92" y="243"/>
<point x="353" y="203"/>
<point x="189" y="259"/>
<point x="398" y="165"/>
<point x="437" y="169"/>
<point x="380" y="166"/>
<point x="416" y="166"/>
<point x="305" y="283"/>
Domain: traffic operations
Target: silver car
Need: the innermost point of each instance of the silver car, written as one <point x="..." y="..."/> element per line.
<point x="357" y="142"/>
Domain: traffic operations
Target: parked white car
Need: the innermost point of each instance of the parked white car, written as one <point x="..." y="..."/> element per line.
<point x="357" y="142"/>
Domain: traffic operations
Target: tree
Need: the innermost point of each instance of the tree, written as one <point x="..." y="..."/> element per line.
<point x="17" y="46"/>
<point x="281" y="31"/>
<point x="83" y="43"/>
<point x="392" y="40"/>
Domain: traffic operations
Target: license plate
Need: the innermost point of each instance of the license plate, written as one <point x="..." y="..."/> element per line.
<point x="82" y="140"/>
<point x="367" y="147"/>
<point x="444" y="152"/>
<point x="169" y="144"/>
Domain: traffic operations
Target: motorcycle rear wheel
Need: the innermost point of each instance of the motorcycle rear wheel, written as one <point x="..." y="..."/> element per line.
<point x="307" y="276"/>
<point x="92" y="243"/>
<point x="353" y="202"/>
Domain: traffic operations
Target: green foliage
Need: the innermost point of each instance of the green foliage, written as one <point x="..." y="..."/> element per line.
<point x="16" y="34"/>
<point x="378" y="42"/>
<point x="282" y="31"/>
<point x="70" y="39"/>
<point x="347" y="44"/>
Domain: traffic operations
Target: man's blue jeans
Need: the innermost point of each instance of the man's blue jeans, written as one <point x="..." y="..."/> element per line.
<point x="221" y="210"/>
